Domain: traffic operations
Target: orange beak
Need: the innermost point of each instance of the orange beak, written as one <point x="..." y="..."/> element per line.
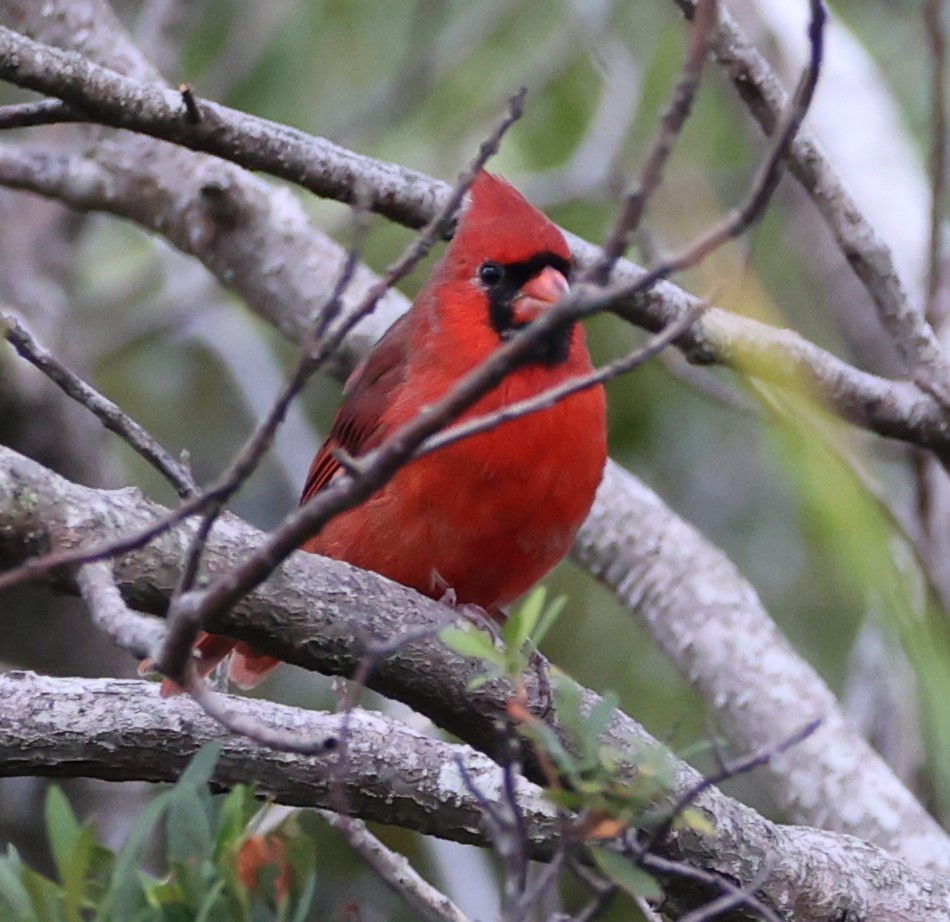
<point x="539" y="294"/>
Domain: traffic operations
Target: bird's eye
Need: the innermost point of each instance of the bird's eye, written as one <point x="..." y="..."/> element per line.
<point x="491" y="274"/>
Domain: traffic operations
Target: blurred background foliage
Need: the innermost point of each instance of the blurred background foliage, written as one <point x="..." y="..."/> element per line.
<point x="420" y="83"/>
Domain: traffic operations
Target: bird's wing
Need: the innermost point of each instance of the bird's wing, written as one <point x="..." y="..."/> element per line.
<point x="359" y="425"/>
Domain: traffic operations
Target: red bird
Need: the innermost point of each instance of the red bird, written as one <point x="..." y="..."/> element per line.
<point x="488" y="516"/>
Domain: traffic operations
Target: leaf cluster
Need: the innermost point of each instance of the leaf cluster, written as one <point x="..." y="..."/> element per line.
<point x="211" y="872"/>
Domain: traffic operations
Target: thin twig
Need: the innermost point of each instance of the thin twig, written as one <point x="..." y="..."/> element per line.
<point x="440" y="226"/>
<point x="107" y="412"/>
<point x="380" y="465"/>
<point x="238" y="720"/>
<point x="733" y="898"/>
<point x="738" y="896"/>
<point x="139" y="634"/>
<point x="395" y="871"/>
<point x="868" y="256"/>
<point x="42" y="112"/>
<point x="725" y="772"/>
<point x="184" y="630"/>
<point x="893" y="409"/>
<point x="936" y="29"/>
<point x="655" y="345"/>
<point x="675" y="116"/>
<point x="246" y="460"/>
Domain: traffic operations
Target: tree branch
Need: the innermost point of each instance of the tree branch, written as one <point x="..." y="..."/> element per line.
<point x="870" y="259"/>
<point x="323" y="614"/>
<point x="893" y="409"/>
<point x="122" y="730"/>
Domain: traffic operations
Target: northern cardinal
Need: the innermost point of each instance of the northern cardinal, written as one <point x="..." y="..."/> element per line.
<point x="484" y="518"/>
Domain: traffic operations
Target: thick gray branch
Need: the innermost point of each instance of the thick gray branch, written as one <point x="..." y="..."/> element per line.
<point x="711" y="623"/>
<point x="122" y="730"/>
<point x="868" y="256"/>
<point x="313" y="611"/>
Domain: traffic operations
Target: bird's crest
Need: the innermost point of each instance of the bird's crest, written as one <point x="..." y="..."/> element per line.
<point x="501" y="224"/>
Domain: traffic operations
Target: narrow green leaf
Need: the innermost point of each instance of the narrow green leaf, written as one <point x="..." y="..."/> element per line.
<point x="75" y="880"/>
<point x="125" y="895"/>
<point x="211" y="903"/>
<point x="188" y="829"/>
<point x="626" y="875"/>
<point x="473" y="643"/>
<point x="12" y="891"/>
<point x="45" y="896"/>
<point x="201" y="767"/>
<point x="551" y="614"/>
<point x="305" y="899"/>
<point x="521" y="623"/>
<point x="62" y="828"/>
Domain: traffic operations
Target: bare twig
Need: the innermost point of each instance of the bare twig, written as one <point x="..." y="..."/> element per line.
<point x="235" y="719"/>
<point x="553" y="395"/>
<point x="727" y="770"/>
<point x="870" y="259"/>
<point x="139" y="634"/>
<point x="893" y="409"/>
<point x="733" y="898"/>
<point x="42" y="112"/>
<point x="312" y="613"/>
<point x="732" y="895"/>
<point x="379" y="466"/>
<point x="396" y="872"/>
<point x="184" y="630"/>
<point x="651" y="175"/>
<point x="108" y="413"/>
<point x="936" y="29"/>
<point x="190" y="102"/>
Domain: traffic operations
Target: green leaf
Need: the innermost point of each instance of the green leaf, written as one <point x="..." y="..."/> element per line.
<point x="235" y="811"/>
<point x="190" y="846"/>
<point x="305" y="899"/>
<point x="75" y="880"/>
<point x="125" y="894"/>
<point x="551" y="614"/>
<point x="626" y="875"/>
<point x="212" y="902"/>
<point x="472" y="642"/>
<point x="694" y="819"/>
<point x="45" y="895"/>
<point x="12" y="890"/>
<point x="63" y="830"/>
<point x="201" y="768"/>
<point x="188" y="828"/>
<point x="523" y="620"/>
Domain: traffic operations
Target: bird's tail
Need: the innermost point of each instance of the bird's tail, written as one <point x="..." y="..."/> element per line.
<point x="246" y="669"/>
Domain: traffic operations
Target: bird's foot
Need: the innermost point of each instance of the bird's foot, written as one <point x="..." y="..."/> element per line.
<point x="545" y="690"/>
